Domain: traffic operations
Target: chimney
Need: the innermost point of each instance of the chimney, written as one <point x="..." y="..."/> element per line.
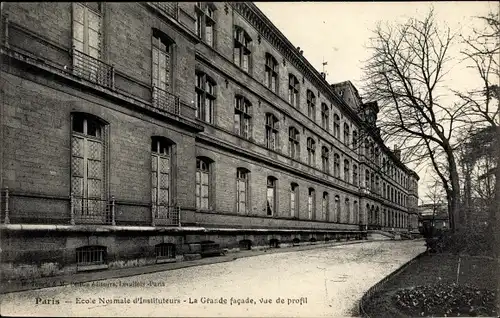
<point x="298" y="48"/>
<point x="323" y="74"/>
<point x="301" y="52"/>
<point x="397" y="152"/>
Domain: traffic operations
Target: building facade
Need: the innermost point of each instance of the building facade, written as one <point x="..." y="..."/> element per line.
<point x="135" y="133"/>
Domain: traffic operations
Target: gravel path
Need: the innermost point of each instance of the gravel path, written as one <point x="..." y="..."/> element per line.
<point x="323" y="282"/>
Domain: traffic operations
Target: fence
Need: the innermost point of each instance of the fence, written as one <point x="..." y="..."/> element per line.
<point x="165" y="101"/>
<point x="92" y="69"/>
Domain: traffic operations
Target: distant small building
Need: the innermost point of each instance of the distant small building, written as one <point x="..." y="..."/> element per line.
<point x="433" y="215"/>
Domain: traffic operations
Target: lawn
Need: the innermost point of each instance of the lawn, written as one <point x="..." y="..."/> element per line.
<point x="440" y="285"/>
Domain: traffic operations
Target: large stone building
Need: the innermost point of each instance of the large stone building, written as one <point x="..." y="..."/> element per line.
<point x="134" y="133"/>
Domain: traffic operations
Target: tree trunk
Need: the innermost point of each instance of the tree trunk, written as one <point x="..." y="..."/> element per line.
<point x="454" y="195"/>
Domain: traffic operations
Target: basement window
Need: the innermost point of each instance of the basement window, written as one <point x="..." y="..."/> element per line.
<point x="91" y="257"/>
<point x="164" y="252"/>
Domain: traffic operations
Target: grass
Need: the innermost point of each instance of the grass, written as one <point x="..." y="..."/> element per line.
<point x="431" y="287"/>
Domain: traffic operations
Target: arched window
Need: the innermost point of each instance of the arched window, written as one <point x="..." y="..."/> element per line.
<point x="161" y="159"/>
<point x="294" y="199"/>
<point x="367" y="148"/>
<point x="202" y="183"/>
<point x="346" y="170"/>
<point x="372" y="179"/>
<point x="88" y="162"/>
<point x="367" y="179"/>
<point x="336" y="165"/>
<point x="293" y="143"/>
<point x="355" y="211"/>
<point x="324" y="116"/>
<point x="293" y="90"/>
<point x="324" y="159"/>
<point x="271" y="79"/>
<point x="347" y="210"/>
<point x="272" y="126"/>
<point x="355" y="175"/>
<point x="338" y="211"/>
<point x="311" y="151"/>
<point x="336" y="126"/>
<point x="346" y="134"/>
<point x="242" y="117"/>
<point x="162" y="66"/>
<point x="324" y="207"/>
<point x="205" y="97"/>
<point x="377" y="184"/>
<point x="271" y="195"/>
<point x="242" y="48"/>
<point x="311" y="203"/>
<point x="311" y="105"/>
<point x="241" y="190"/>
<point x="354" y="139"/>
<point x="205" y="21"/>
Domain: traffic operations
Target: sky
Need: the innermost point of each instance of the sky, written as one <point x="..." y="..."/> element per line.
<point x="338" y="33"/>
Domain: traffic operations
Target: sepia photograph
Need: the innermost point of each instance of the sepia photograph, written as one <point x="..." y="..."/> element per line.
<point x="250" y="159"/>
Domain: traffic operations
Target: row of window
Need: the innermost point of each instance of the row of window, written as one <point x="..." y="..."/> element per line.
<point x="88" y="177"/>
<point x="388" y="218"/>
<point x="388" y="168"/>
<point x="205" y="103"/>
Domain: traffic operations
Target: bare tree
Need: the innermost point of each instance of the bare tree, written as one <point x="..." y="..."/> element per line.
<point x="404" y="75"/>
<point x="481" y="105"/>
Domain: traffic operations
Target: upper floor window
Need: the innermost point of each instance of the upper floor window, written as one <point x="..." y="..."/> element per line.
<point x="311" y="151"/>
<point x="205" y="22"/>
<point x="87" y="28"/>
<point x="336" y="165"/>
<point x="202" y="184"/>
<point x="324" y="116"/>
<point x="346" y="170"/>
<point x="271" y="80"/>
<point x="241" y="190"/>
<point x="205" y="97"/>
<point x="355" y="175"/>
<point x="311" y="105"/>
<point x="242" y="116"/>
<point x="271" y="195"/>
<point x="354" y="139"/>
<point x="336" y="126"/>
<point x="293" y="90"/>
<point x="272" y="126"/>
<point x="367" y="179"/>
<point x="162" y="59"/>
<point x="324" y="159"/>
<point x="242" y="49"/>
<point x="346" y="134"/>
<point x="293" y="143"/>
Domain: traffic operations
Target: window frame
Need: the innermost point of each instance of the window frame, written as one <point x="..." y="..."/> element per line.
<point x="200" y="161"/>
<point x="325" y="114"/>
<point x="272" y="132"/>
<point x="325" y="159"/>
<point x="242" y="117"/>
<point x="311" y="151"/>
<point x="311" y="105"/>
<point x="294" y="142"/>
<point x="293" y="91"/>
<point x="202" y="13"/>
<point x="204" y="79"/>
<point x="242" y="43"/>
<point x="271" y="72"/>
